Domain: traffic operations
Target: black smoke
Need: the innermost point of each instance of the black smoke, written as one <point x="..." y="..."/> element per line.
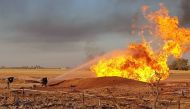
<point x="185" y="6"/>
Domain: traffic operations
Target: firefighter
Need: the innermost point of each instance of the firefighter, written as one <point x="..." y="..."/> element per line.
<point x="9" y="81"/>
<point x="44" y="81"/>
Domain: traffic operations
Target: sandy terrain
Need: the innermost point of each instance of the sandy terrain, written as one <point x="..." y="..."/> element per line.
<point x="179" y="76"/>
<point x="90" y="83"/>
<point x="86" y="93"/>
<point x="82" y="79"/>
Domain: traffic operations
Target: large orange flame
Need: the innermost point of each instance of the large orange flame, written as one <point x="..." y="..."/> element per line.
<point x="139" y="61"/>
<point x="176" y="39"/>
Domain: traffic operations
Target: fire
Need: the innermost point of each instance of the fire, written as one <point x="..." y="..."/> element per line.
<point x="176" y="39"/>
<point x="139" y="61"/>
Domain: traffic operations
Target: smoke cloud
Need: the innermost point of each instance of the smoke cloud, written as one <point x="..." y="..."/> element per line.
<point x="61" y="29"/>
<point x="185" y="6"/>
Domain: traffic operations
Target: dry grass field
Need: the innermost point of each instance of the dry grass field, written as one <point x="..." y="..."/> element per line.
<point x="177" y="75"/>
<point x="92" y="93"/>
<point x="34" y="73"/>
<point x="23" y="75"/>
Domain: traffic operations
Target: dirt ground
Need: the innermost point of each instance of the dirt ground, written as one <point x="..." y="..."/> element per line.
<point x="92" y="93"/>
